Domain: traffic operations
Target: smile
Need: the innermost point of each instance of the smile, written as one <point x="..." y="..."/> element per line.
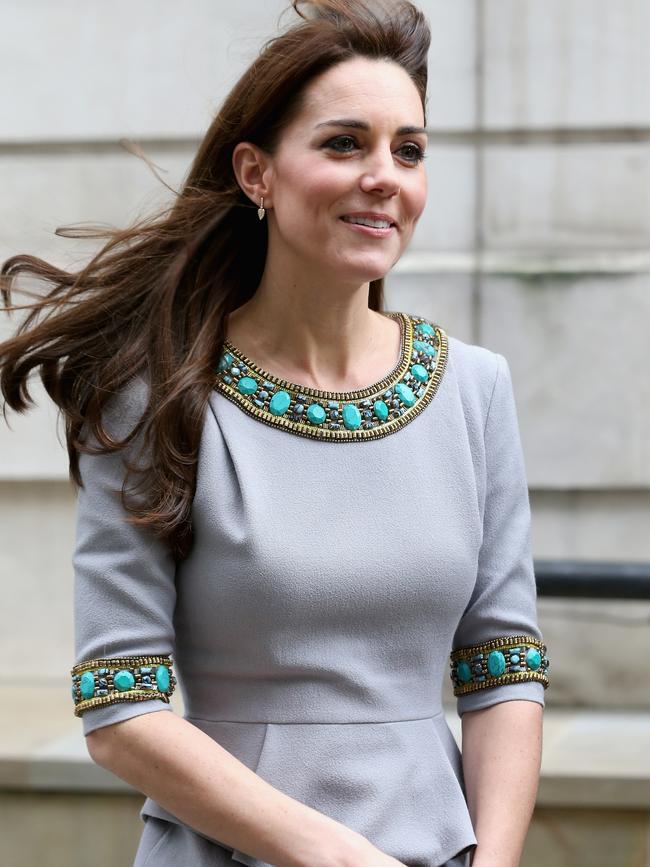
<point x="376" y="231"/>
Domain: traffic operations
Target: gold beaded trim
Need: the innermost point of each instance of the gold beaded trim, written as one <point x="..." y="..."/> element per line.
<point x="400" y="396"/>
<point x="507" y="659"/>
<point x="141" y="678"/>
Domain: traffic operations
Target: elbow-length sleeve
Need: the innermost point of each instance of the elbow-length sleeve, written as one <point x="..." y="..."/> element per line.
<point x="498" y="652"/>
<point x="124" y="589"/>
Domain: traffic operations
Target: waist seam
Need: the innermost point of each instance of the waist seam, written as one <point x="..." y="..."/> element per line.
<point x="312" y="722"/>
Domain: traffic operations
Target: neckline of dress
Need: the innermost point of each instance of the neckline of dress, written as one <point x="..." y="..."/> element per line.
<point x="396" y="372"/>
<point x="367" y="413"/>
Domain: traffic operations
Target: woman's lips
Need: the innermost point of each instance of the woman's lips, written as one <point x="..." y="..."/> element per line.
<point x="369" y="230"/>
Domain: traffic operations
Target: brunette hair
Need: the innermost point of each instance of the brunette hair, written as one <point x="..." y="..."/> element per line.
<point x="153" y="301"/>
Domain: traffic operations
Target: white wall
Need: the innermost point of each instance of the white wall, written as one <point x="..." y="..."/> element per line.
<point x="534" y="241"/>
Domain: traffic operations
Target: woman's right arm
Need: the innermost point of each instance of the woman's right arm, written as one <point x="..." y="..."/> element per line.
<point x="125" y="596"/>
<point x="193" y="777"/>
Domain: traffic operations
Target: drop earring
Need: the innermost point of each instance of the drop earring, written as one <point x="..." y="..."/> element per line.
<point x="261" y="210"/>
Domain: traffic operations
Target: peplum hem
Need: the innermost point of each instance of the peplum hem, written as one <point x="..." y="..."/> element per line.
<point x="398" y="783"/>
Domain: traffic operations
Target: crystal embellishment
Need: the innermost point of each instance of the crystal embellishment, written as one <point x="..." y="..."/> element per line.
<point x="375" y="411"/>
<point x="502" y="660"/>
<point x="98" y="682"/>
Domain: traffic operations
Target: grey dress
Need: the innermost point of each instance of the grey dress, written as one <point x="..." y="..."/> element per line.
<point x="351" y="552"/>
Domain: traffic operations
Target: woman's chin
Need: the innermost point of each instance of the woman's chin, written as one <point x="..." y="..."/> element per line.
<point x="364" y="271"/>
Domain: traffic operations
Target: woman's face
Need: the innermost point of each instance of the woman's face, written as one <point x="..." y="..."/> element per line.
<point x="325" y="170"/>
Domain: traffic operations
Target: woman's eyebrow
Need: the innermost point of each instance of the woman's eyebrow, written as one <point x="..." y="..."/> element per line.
<point x="361" y="124"/>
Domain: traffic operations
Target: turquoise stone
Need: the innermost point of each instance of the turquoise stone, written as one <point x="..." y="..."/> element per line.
<point x="464" y="671"/>
<point x="247" y="385"/>
<point x="87" y="684"/>
<point x="162" y="678"/>
<point x="381" y="410"/>
<point x="123" y="680"/>
<point x="424" y="328"/>
<point x="423" y="346"/>
<point x="496" y="663"/>
<point x="351" y="416"/>
<point x="405" y="393"/>
<point x="280" y="402"/>
<point x="514" y="657"/>
<point x="420" y="372"/>
<point x="226" y="361"/>
<point x="316" y="413"/>
<point x="533" y="658"/>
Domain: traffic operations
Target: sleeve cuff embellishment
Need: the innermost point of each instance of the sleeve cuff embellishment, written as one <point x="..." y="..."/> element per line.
<point x="99" y="682"/>
<point x="508" y="659"/>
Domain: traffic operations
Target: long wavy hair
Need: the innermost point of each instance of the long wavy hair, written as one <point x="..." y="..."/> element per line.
<point x="154" y="300"/>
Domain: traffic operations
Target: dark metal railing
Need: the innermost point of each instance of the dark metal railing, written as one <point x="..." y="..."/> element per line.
<point x="592" y="579"/>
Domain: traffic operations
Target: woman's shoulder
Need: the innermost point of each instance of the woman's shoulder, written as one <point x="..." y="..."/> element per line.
<point x="472" y="364"/>
<point x="475" y="364"/>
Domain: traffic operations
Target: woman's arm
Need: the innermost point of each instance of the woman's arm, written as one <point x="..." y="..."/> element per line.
<point x="500" y="697"/>
<point x="502" y="753"/>
<point x="194" y="778"/>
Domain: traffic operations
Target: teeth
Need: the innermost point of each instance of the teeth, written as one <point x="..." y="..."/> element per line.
<point x="365" y="221"/>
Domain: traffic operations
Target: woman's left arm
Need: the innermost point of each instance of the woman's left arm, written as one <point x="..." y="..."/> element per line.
<point x="499" y="662"/>
<point x="501" y="753"/>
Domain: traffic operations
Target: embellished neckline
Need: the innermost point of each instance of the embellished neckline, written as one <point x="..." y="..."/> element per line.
<point x="366" y="413"/>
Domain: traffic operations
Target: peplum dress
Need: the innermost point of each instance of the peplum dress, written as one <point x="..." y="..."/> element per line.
<point x="351" y="552"/>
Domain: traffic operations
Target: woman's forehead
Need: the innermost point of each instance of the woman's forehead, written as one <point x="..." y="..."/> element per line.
<point x="363" y="90"/>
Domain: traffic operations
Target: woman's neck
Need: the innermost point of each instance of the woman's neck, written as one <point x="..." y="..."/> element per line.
<point x="322" y="346"/>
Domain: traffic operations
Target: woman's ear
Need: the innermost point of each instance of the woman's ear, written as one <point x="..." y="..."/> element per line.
<point x="252" y="170"/>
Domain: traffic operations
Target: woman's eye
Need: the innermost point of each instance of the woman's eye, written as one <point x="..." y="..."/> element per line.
<point x="339" y="139"/>
<point x="416" y="152"/>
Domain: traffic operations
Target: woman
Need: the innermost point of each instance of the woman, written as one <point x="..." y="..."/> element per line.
<point x="330" y="512"/>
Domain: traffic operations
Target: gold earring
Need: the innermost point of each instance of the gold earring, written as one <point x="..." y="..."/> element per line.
<point x="261" y="210"/>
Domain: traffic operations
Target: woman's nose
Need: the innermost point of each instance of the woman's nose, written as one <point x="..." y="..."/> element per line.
<point x="381" y="174"/>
